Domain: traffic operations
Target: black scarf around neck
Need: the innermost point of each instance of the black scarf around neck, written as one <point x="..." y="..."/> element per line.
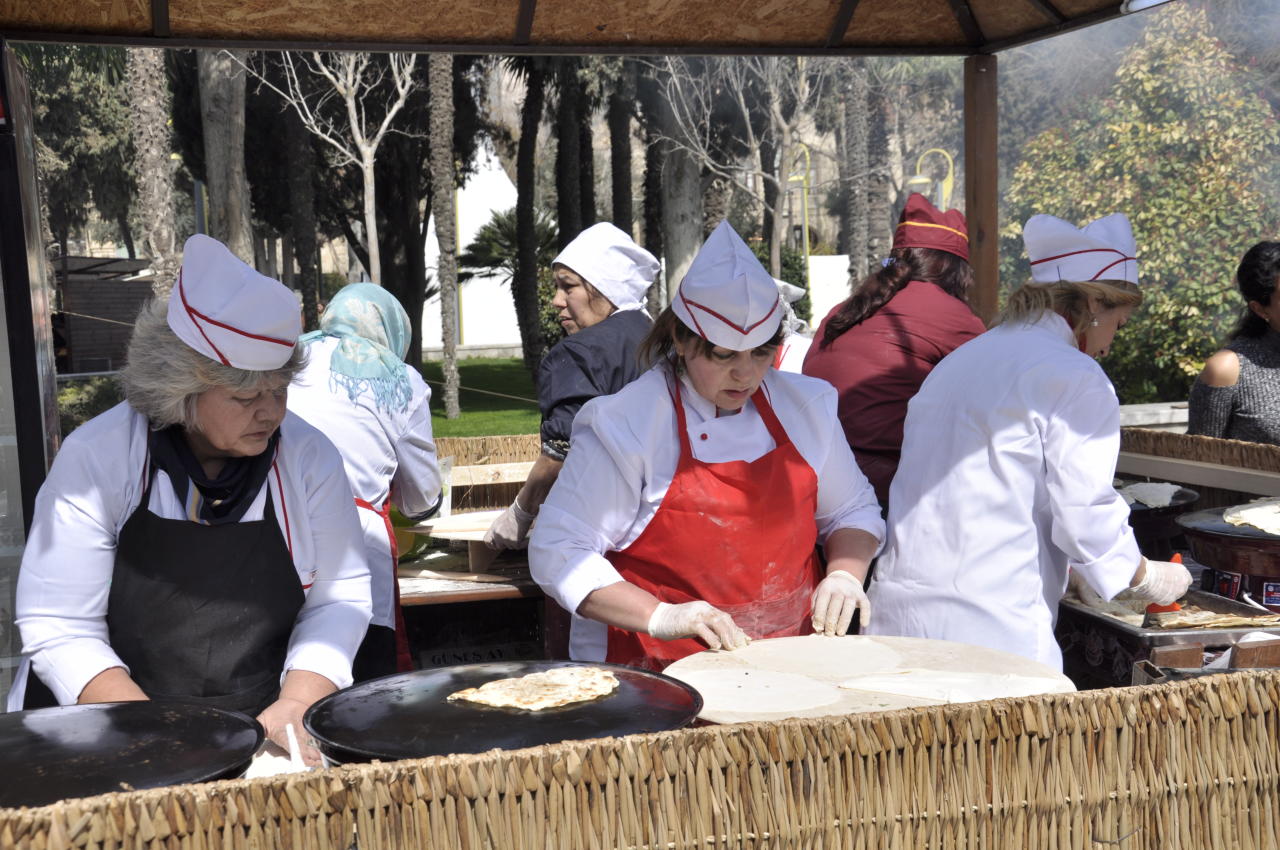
<point x="225" y="498"/>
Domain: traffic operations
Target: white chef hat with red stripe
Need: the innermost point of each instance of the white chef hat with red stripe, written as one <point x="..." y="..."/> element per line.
<point x="1101" y="250"/>
<point x="228" y="312"/>
<point x="727" y="297"/>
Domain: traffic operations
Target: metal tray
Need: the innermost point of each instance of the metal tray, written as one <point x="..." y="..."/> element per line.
<point x="407" y="715"/>
<point x="1181" y="637"/>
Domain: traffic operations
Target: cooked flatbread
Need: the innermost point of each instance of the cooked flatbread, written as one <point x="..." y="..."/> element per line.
<point x="1191" y="617"/>
<point x="539" y="691"/>
<point x="1262" y="514"/>
<point x="1153" y="494"/>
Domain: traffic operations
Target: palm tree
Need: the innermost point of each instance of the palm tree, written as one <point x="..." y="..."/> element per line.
<point x="524" y="282"/>
<point x="222" y="101"/>
<point x="443" y="181"/>
<point x="149" y="111"/>
<point x="494" y="249"/>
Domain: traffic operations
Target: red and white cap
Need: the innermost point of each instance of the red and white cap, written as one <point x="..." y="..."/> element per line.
<point x="727" y="297"/>
<point x="228" y="312"/>
<point x="1101" y="250"/>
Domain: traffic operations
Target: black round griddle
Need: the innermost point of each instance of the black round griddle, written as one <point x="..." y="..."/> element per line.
<point x="1211" y="522"/>
<point x="1245" y="559"/>
<point x="50" y="754"/>
<point x="407" y="715"/>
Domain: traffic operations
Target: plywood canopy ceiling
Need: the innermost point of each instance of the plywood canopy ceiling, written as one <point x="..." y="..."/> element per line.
<point x="563" y="26"/>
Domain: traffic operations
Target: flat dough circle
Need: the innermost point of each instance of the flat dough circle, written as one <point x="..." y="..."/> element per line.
<point x="819" y="657"/>
<point x="952" y="685"/>
<point x="759" y="691"/>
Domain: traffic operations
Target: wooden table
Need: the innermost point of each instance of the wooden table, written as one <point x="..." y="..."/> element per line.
<point x="439" y="591"/>
<point x="433" y="591"/>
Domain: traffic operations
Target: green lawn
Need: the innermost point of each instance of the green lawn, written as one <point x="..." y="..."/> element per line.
<point x="484" y="414"/>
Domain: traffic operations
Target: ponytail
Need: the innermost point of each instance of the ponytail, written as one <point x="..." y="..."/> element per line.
<point x="1069" y="299"/>
<point x="949" y="272"/>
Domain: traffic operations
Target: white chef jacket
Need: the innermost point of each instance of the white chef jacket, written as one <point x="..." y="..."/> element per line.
<point x="95" y="484"/>
<point x="792" y="351"/>
<point x="1008" y="455"/>
<point x="624" y="456"/>
<point x="383" y="452"/>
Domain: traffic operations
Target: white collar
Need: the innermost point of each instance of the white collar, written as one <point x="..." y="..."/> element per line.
<point x="1051" y="323"/>
<point x="699" y="405"/>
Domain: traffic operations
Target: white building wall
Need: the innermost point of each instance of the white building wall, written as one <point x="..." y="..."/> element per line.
<point x="487" y="313"/>
<point x="828" y="284"/>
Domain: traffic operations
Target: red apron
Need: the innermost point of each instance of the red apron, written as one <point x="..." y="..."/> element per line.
<point x="738" y="535"/>
<point x="404" y="659"/>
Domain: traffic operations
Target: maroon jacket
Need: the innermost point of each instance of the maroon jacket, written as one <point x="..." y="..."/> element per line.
<point x="879" y="364"/>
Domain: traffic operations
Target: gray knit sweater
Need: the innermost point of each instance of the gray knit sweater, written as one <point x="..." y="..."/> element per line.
<point x="1249" y="409"/>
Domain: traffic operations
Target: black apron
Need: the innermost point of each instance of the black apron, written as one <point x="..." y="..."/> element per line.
<point x="203" y="613"/>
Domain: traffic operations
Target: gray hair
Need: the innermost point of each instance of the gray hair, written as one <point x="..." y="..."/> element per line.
<point x="163" y="376"/>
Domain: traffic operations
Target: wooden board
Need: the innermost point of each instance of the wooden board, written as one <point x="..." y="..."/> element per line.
<point x="837" y="660"/>
<point x="464" y="527"/>
<point x="490" y="473"/>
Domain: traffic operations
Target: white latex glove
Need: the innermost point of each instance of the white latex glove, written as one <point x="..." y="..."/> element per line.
<point x="1084" y="591"/>
<point x="835" y="599"/>
<point x="697" y="619"/>
<point x="1164" y="583"/>
<point x="511" y="529"/>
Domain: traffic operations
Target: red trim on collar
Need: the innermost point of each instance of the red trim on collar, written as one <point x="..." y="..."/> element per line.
<point x="288" y="535"/>
<point x="744" y="331"/>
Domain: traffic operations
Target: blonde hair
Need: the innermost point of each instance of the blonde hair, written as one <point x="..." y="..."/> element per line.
<point x="1069" y="299"/>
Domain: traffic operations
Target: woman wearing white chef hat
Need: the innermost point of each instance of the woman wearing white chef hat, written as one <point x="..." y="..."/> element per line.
<point x="1008" y="458"/>
<point x="197" y="542"/>
<point x="601" y="279"/>
<point x="687" y="514"/>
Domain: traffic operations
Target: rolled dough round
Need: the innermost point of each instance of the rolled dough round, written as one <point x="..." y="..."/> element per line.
<point x="953" y="685"/>
<point x="818" y="656"/>
<point x="759" y="691"/>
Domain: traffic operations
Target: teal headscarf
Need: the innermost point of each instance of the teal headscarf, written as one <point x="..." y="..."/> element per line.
<point x="373" y="333"/>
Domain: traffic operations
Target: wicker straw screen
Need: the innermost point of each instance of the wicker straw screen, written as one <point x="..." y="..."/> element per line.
<point x="1237" y="453"/>
<point x="480" y="451"/>
<point x="1189" y="765"/>
<point x="475" y="451"/>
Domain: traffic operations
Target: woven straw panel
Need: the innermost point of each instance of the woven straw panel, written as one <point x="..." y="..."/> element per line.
<point x="709" y="23"/>
<point x="1188" y="765"/>
<point x="1237" y="453"/>
<point x="932" y="23"/>
<point x="476" y="451"/>
<point x="396" y="21"/>
<point x="116" y="16"/>
<point x="670" y="22"/>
